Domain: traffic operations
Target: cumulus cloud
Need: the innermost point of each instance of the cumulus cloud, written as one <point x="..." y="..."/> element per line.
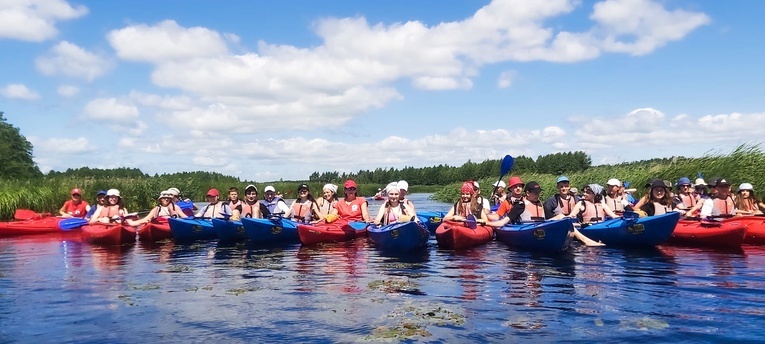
<point x="68" y="90"/>
<point x="56" y="146"/>
<point x="70" y="60"/>
<point x="35" y="20"/>
<point x="167" y="41"/>
<point x="111" y="109"/>
<point x="18" y="91"/>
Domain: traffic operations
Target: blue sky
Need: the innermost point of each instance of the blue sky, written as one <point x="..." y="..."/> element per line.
<point x="270" y="90"/>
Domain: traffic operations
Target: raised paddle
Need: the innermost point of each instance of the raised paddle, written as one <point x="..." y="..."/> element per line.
<point x="71" y="223"/>
<point x="504" y="168"/>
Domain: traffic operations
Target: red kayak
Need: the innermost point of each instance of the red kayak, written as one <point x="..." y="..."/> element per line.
<point x="43" y="225"/>
<point x="725" y="233"/>
<point x="155" y="230"/>
<point x="755" y="229"/>
<point x="336" y="231"/>
<point x="456" y="235"/>
<point x="108" y="234"/>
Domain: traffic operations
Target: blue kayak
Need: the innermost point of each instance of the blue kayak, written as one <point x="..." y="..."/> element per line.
<point x="405" y="236"/>
<point x="551" y="236"/>
<point x="271" y="230"/>
<point x="192" y="229"/>
<point x="431" y="219"/>
<point x="633" y="231"/>
<point x="228" y="230"/>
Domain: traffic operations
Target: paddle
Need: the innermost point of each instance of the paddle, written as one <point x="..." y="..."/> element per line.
<point x="358" y="225"/>
<point x="470" y="221"/>
<point x="504" y="168"/>
<point x="71" y="223"/>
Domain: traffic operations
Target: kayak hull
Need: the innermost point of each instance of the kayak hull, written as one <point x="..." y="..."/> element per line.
<point x="29" y="227"/>
<point x="229" y="230"/>
<point x="192" y="229"/>
<point x="755" y="229"/>
<point x="549" y="236"/>
<point x="633" y="232"/>
<point x="156" y="230"/>
<point x="431" y="219"/>
<point x="336" y="231"/>
<point x="728" y="233"/>
<point x="271" y="230"/>
<point x="108" y="234"/>
<point x="407" y="236"/>
<point x="456" y="236"/>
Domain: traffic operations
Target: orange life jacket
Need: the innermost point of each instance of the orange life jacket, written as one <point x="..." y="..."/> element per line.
<point x="533" y="211"/>
<point x="352" y="211"/>
<point x="593" y="212"/>
<point x="724" y="206"/>
<point x="302" y="211"/>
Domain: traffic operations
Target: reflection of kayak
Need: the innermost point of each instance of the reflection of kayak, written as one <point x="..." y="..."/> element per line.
<point x="541" y="236"/>
<point x="378" y="197"/>
<point x="227" y="230"/>
<point x="339" y="230"/>
<point x="155" y="230"/>
<point x="755" y="229"/>
<point x="406" y="236"/>
<point x="725" y="233"/>
<point x="456" y="235"/>
<point x="43" y="225"/>
<point x="108" y="234"/>
<point x="431" y="219"/>
<point x="192" y="229"/>
<point x="271" y="230"/>
<point x="633" y="231"/>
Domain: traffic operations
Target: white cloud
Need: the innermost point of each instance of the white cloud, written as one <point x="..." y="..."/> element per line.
<point x="68" y="90"/>
<point x="111" y="109"/>
<point x="506" y="78"/>
<point x="70" y="60"/>
<point x="167" y="41"/>
<point x="57" y="146"/>
<point x="35" y="20"/>
<point x="18" y="91"/>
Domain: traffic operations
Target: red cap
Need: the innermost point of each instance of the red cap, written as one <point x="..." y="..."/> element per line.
<point x="76" y="191"/>
<point x="514" y="181"/>
<point x="213" y="192"/>
<point x="350" y="184"/>
<point x="468" y="187"/>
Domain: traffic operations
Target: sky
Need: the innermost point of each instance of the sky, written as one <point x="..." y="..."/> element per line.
<point x="269" y="90"/>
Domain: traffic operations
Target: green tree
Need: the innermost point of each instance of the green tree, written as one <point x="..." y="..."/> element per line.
<point x="15" y="153"/>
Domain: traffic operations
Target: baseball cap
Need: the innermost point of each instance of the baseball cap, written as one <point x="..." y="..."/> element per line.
<point x="269" y="189"/>
<point x="251" y="187"/>
<point x="174" y="191"/>
<point x="562" y="179"/>
<point x="76" y="191"/>
<point x="721" y="182"/>
<point x="475" y="183"/>
<point x="113" y="192"/>
<point x="303" y="186"/>
<point x="532" y="186"/>
<point x="101" y="192"/>
<point x="350" y="184"/>
<point x="614" y="182"/>
<point x="213" y="192"/>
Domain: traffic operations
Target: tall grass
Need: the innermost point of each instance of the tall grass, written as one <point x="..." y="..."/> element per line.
<point x="744" y="164"/>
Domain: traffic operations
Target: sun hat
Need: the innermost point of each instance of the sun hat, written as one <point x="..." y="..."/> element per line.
<point x="658" y="183"/>
<point x="113" y="192"/>
<point x="700" y="182"/>
<point x="499" y="184"/>
<point x="350" y="184"/>
<point x="76" y="191"/>
<point x="164" y="194"/>
<point x="573" y="190"/>
<point x="533" y="187"/>
<point x="269" y="188"/>
<point x="745" y="186"/>
<point x="683" y="181"/>
<point x="614" y="182"/>
<point x="403" y="185"/>
<point x="513" y="181"/>
<point x="562" y="179"/>
<point x="213" y="192"/>
<point x="174" y="191"/>
<point x="330" y="187"/>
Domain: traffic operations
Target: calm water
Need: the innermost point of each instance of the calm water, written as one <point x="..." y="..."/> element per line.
<point x="59" y="289"/>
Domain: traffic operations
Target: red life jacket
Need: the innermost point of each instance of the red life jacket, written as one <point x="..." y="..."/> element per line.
<point x="249" y="209"/>
<point x="724" y="206"/>
<point x="76" y="210"/>
<point x="352" y="211"/>
<point x="688" y="200"/>
<point x="567" y="205"/>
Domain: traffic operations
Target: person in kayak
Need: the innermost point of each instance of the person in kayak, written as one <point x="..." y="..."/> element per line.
<point x="233" y="202"/>
<point x="514" y="199"/>
<point x="403" y="190"/>
<point x="273" y="205"/>
<point x="100" y="202"/>
<point x="659" y="201"/>
<point x="327" y="201"/>
<point x="746" y="202"/>
<point x="700" y="189"/>
<point x="591" y="207"/>
<point x="721" y="204"/>
<point x="468" y="204"/>
<point x="304" y="208"/>
<point x="113" y="211"/>
<point x="562" y="202"/>
<point x="484" y="201"/>
<point x="74" y="207"/>
<point x="186" y="204"/>
<point x="393" y="210"/>
<point x="352" y="207"/>
<point x="613" y="199"/>
<point x="498" y="195"/>
<point x="165" y="209"/>
<point x="685" y="199"/>
<point x="250" y="207"/>
<point x="215" y="209"/>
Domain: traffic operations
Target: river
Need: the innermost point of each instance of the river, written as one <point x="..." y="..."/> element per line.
<point x="60" y="289"/>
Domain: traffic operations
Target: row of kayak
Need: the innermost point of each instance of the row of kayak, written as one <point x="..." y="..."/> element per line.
<point x="541" y="236"/>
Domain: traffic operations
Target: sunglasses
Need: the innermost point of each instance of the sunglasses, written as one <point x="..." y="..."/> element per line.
<point x="351" y="189"/>
<point x="303" y="190"/>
